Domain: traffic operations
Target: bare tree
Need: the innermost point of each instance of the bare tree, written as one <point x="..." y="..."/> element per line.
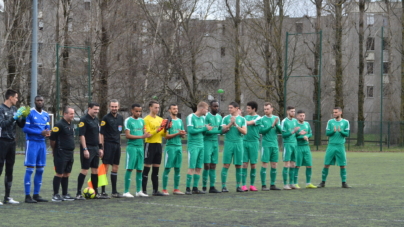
<point x="402" y="77"/>
<point x="361" y="95"/>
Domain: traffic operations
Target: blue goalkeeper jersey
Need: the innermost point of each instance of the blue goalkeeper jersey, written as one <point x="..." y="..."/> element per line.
<point x="35" y="123"/>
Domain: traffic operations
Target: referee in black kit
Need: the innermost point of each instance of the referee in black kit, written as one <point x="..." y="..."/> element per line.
<point x="62" y="143"/>
<point x="111" y="129"/>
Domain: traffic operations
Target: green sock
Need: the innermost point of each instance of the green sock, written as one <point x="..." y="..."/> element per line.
<point x="308" y="175"/>
<point x="205" y="176"/>
<point x="263" y="174"/>
<point x="177" y="177"/>
<point x="296" y="178"/>
<point x="285" y="175"/>
<point x="291" y="175"/>
<point x="343" y="174"/>
<point x="127" y="180"/>
<point x="212" y="176"/>
<point x="273" y="176"/>
<point x="243" y="176"/>
<point x="189" y="180"/>
<point x="252" y="176"/>
<point x="324" y="174"/>
<point x="139" y="179"/>
<point x="196" y="180"/>
<point x="224" y="176"/>
<point x="238" y="176"/>
<point x="165" y="178"/>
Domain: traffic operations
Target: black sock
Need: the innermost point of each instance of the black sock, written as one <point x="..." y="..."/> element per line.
<point x="155" y="178"/>
<point x="94" y="181"/>
<point x="65" y="185"/>
<point x="8" y="181"/>
<point x="103" y="189"/>
<point x="145" y="178"/>
<point x="80" y="182"/>
<point x="56" y="184"/>
<point x="114" y="179"/>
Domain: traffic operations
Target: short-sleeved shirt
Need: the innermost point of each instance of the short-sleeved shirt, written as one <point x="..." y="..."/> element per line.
<point x="288" y="126"/>
<point x="63" y="135"/>
<point x="111" y="128"/>
<point x="90" y="128"/>
<point x="152" y="124"/>
<point x="215" y="121"/>
<point x="337" y="138"/>
<point x="270" y="139"/>
<point x="197" y="123"/>
<point x="253" y="131"/>
<point x="135" y="127"/>
<point x="233" y="135"/>
<point x="177" y="125"/>
<point x="35" y="123"/>
<point x="306" y="127"/>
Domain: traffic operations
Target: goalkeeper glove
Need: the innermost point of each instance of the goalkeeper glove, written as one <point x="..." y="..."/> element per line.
<point x="26" y="111"/>
<point x="19" y="113"/>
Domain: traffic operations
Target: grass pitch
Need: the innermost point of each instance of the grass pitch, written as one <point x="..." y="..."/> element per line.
<point x="376" y="199"/>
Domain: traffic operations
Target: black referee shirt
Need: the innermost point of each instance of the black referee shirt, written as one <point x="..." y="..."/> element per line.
<point x="90" y="128"/>
<point x="111" y="128"/>
<point x="63" y="134"/>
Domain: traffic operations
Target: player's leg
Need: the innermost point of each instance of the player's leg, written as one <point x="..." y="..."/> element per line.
<point x="263" y="171"/>
<point x="238" y="161"/>
<point x="227" y="158"/>
<point x="29" y="162"/>
<point x="85" y="166"/>
<point x="307" y="161"/>
<point x="177" y="168"/>
<point x="59" y="164"/>
<point x="253" y="161"/>
<point x="299" y="152"/>
<point x="65" y="178"/>
<point x="292" y="167"/>
<point x="192" y="159"/>
<point x="212" y="169"/>
<point x="107" y="161"/>
<point x="273" y="159"/>
<point x="147" y="165"/>
<point x="138" y="166"/>
<point x="169" y="157"/>
<point x="129" y="166"/>
<point x="207" y="147"/>
<point x="198" y="168"/>
<point x="40" y="164"/>
<point x="286" y="167"/>
<point x="157" y="149"/>
<point x="9" y="157"/>
<point x="244" y="168"/>
<point x="341" y="161"/>
<point x="329" y="159"/>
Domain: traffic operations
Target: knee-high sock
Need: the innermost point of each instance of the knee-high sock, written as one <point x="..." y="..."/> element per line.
<point x="65" y="185"/>
<point x="343" y="174"/>
<point x="139" y="179"/>
<point x="80" y="182"/>
<point x="56" y="184"/>
<point x="291" y="175"/>
<point x="238" y="176"/>
<point x="155" y="178"/>
<point x="263" y="174"/>
<point x="243" y="173"/>
<point x="296" y="178"/>
<point x="285" y="175"/>
<point x="189" y="180"/>
<point x="252" y="176"/>
<point x="8" y="179"/>
<point x="128" y="174"/>
<point x="324" y="174"/>
<point x="196" y="180"/>
<point x="224" y="176"/>
<point x="177" y="178"/>
<point x="273" y="176"/>
<point x="94" y="181"/>
<point x="38" y="180"/>
<point x="308" y="175"/>
<point x="212" y="177"/>
<point x="145" y="174"/>
<point x="27" y="180"/>
<point x="165" y="178"/>
<point x="114" y="179"/>
<point x="205" y="176"/>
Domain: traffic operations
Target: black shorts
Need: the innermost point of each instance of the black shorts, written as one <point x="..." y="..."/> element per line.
<point x="63" y="161"/>
<point x="7" y="152"/>
<point x="152" y="153"/>
<point x="93" y="161"/>
<point x="112" y="153"/>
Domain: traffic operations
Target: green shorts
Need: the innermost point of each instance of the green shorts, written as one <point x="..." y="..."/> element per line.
<point x="269" y="154"/>
<point x="250" y="152"/>
<point x="211" y="148"/>
<point x="172" y="156"/>
<point x="195" y="157"/>
<point x="335" y="152"/>
<point x="233" y="150"/>
<point x="289" y="152"/>
<point x="134" y="157"/>
<point x="303" y="156"/>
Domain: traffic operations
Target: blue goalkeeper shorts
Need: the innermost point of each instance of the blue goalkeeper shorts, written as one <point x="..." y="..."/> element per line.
<point x="35" y="154"/>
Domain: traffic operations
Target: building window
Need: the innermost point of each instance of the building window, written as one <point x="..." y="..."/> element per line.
<point x="299" y="27"/>
<point x="369" y="91"/>
<point x="386" y="43"/>
<point x="40" y="45"/>
<point x="370" y="43"/>
<point x="223" y="52"/>
<point x="386" y="67"/>
<point x="223" y="29"/>
<point x="40" y="68"/>
<point x="369" y="67"/>
<point x="87" y="5"/>
<point x="370" y="19"/>
<point x="40" y="25"/>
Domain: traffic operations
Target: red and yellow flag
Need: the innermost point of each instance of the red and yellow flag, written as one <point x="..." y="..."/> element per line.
<point x="102" y="177"/>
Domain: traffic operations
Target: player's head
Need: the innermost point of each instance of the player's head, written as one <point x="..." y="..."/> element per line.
<point x="154" y="107"/>
<point x="337" y="112"/>
<point x="233" y="108"/>
<point x="202" y="108"/>
<point x="68" y="113"/>
<point x="11" y="96"/>
<point x="136" y="110"/>
<point x="291" y="111"/>
<point x="173" y="109"/>
<point x="114" y="106"/>
<point x="268" y="108"/>
<point x="300" y="115"/>
<point x="252" y="107"/>
<point x="93" y="109"/>
<point x="39" y="102"/>
<point x="214" y="107"/>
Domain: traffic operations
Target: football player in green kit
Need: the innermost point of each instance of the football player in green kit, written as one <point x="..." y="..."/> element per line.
<point x="337" y="130"/>
<point x="251" y="143"/>
<point x="303" y="149"/>
<point x="270" y="150"/>
<point x="173" y="150"/>
<point x="234" y="126"/>
<point x="211" y="147"/>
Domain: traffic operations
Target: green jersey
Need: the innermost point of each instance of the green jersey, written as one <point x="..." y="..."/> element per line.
<point x="288" y="126"/>
<point x="269" y="134"/>
<point x="196" y="127"/>
<point x="233" y="135"/>
<point x="177" y="125"/>
<point x="253" y="131"/>
<point x="300" y="138"/>
<point x="135" y="127"/>
<point x="337" y="137"/>
<point x="214" y="121"/>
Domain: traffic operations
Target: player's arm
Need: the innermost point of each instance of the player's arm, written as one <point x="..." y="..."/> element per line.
<point x="27" y="128"/>
<point x="242" y="129"/>
<point x="329" y="131"/>
<point x="345" y="132"/>
<point x="133" y="137"/>
<point x="53" y="137"/>
<point x="264" y="129"/>
<point x="286" y="131"/>
<point x="3" y="121"/>
<point x="278" y="126"/>
<point x="192" y="130"/>
<point x="170" y="136"/>
<point x="21" y="122"/>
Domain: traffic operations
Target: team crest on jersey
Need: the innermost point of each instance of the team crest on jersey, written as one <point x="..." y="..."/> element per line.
<point x="81" y="124"/>
<point x="103" y="123"/>
<point x="55" y="129"/>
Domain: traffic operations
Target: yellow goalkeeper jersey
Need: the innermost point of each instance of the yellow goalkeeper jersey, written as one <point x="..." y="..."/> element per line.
<point x="151" y="126"/>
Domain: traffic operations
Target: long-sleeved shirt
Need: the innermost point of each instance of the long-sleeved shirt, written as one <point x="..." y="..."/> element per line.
<point x="7" y="122"/>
